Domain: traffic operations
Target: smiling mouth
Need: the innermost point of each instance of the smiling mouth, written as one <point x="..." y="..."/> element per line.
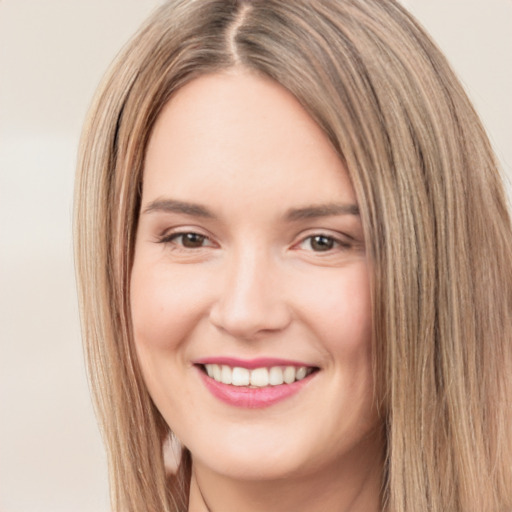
<point x="256" y="377"/>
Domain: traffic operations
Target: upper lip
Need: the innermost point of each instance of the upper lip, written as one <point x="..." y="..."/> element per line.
<point x="259" y="362"/>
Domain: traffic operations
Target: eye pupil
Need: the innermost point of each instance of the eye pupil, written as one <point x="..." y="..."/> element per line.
<point x="322" y="243"/>
<point x="192" y="240"/>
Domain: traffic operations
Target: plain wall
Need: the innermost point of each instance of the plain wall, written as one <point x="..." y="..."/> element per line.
<point x="52" y="55"/>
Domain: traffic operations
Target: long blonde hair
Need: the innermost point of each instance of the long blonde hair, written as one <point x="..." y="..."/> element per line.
<point x="435" y="218"/>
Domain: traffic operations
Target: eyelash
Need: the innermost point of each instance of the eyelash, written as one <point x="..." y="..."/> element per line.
<point x="172" y="237"/>
<point x="332" y="242"/>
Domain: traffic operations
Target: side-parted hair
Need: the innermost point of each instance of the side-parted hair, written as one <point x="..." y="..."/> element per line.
<point x="435" y="218"/>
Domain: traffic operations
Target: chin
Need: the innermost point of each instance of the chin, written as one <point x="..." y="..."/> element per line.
<point x="258" y="464"/>
<point x="263" y="453"/>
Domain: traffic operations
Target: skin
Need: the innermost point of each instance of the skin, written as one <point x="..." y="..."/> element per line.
<point x="256" y="283"/>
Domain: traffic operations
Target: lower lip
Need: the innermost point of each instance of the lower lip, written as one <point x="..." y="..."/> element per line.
<point x="252" y="398"/>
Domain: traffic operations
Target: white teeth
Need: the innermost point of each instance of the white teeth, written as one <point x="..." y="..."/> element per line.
<point x="217" y="373"/>
<point x="259" y="377"/>
<point x="225" y="374"/>
<point x="275" y="376"/>
<point x="289" y="374"/>
<point x="240" y="377"/>
<point x="301" y="373"/>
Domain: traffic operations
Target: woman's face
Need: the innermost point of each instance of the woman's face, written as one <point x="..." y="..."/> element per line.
<point x="250" y="266"/>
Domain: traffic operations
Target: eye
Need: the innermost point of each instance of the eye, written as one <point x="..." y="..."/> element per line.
<point x="189" y="240"/>
<point x="320" y="243"/>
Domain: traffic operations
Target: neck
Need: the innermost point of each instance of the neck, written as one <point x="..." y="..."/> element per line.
<point x="349" y="486"/>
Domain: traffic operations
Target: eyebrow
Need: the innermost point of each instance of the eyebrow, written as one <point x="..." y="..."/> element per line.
<point x="292" y="215"/>
<point x="174" y="206"/>
<point x="322" y="210"/>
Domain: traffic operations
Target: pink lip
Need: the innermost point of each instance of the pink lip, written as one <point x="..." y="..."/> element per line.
<point x="252" y="398"/>
<point x="261" y="362"/>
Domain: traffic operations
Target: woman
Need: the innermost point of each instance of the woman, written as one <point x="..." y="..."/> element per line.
<point x="294" y="257"/>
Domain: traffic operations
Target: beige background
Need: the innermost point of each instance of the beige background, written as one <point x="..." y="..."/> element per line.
<point x="52" y="54"/>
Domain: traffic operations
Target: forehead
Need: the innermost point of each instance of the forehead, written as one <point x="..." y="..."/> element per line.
<point x="243" y="135"/>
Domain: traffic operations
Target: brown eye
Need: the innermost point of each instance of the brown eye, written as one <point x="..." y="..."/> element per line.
<point x="320" y="243"/>
<point x="191" y="240"/>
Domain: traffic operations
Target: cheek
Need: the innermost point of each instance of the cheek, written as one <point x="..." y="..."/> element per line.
<point x="164" y="314"/>
<point x="339" y="309"/>
<point x="165" y="305"/>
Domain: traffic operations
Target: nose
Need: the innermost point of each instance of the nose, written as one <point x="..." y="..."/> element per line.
<point x="250" y="301"/>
